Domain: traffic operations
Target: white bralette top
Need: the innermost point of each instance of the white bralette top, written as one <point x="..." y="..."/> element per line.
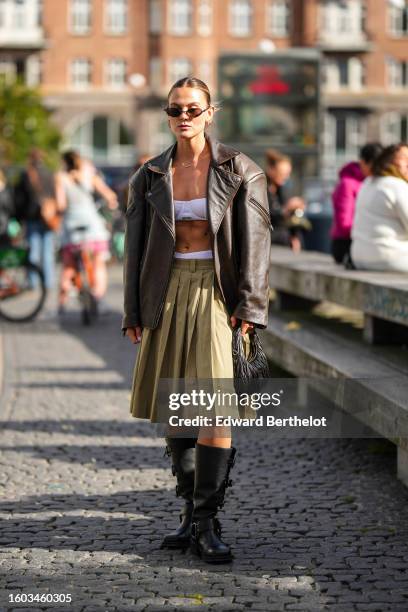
<point x="191" y="210"/>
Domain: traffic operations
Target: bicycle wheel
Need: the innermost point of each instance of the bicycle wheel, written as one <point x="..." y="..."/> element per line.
<point x="89" y="307"/>
<point x="22" y="292"/>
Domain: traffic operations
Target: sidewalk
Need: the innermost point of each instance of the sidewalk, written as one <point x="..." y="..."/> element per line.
<point x="86" y="497"/>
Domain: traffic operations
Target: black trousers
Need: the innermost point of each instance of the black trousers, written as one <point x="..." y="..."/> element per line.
<point x="340" y="248"/>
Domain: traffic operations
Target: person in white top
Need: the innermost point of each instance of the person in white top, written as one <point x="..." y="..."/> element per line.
<point x="74" y="187"/>
<point x="380" y="230"/>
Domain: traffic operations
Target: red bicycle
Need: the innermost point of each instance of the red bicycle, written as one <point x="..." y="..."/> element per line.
<point x="84" y="280"/>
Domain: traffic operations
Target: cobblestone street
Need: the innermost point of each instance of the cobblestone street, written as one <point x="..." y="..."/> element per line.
<point x="86" y="497"/>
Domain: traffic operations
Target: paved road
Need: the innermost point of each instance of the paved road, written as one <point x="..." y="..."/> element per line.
<point x="86" y="496"/>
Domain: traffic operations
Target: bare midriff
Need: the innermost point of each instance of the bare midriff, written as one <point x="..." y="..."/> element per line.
<point x="192" y="236"/>
<point x="190" y="183"/>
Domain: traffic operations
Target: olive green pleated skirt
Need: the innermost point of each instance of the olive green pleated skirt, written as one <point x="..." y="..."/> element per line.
<point x="192" y="341"/>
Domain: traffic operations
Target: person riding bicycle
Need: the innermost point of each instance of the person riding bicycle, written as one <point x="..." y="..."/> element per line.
<point x="6" y="210"/>
<point x="75" y="188"/>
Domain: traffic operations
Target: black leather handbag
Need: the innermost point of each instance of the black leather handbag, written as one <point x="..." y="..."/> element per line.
<point x="248" y="371"/>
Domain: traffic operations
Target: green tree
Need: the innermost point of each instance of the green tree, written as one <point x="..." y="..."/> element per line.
<point x="25" y="123"/>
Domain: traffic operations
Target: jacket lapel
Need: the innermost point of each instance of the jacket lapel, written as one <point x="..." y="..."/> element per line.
<point x="160" y="197"/>
<point x="222" y="185"/>
<point x="160" y="194"/>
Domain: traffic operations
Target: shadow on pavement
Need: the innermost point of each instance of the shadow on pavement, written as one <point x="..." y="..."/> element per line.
<point x="79" y="427"/>
<point x="104" y="339"/>
<point x="101" y="456"/>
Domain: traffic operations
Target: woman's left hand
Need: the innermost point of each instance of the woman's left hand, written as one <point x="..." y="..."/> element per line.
<point x="245" y="325"/>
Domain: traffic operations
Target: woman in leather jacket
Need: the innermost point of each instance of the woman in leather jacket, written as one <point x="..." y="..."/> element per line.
<point x="197" y="251"/>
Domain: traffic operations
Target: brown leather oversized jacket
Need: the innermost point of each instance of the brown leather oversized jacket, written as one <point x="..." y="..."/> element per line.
<point x="239" y="222"/>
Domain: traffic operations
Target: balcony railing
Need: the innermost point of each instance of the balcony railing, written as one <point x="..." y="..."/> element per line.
<point x="30" y="37"/>
<point x="343" y="41"/>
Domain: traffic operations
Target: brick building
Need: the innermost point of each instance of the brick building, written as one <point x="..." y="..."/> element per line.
<point x="90" y="57"/>
<point x="83" y="54"/>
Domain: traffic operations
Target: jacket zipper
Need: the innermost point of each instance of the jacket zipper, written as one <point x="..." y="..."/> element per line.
<point x="260" y="210"/>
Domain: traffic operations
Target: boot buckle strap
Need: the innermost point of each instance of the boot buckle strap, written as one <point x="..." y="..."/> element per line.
<point x="227" y="482"/>
<point x="201" y="526"/>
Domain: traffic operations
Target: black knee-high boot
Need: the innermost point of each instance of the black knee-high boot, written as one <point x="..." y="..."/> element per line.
<point x="182" y="452"/>
<point x="213" y="465"/>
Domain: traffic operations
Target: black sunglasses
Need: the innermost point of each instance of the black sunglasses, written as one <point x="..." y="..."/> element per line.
<point x="175" y="111"/>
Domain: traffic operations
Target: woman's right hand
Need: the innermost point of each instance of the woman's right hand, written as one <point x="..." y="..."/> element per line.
<point x="135" y="334"/>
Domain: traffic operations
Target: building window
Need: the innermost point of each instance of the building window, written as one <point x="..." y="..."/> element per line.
<point x="205" y="71"/>
<point x="344" y="134"/>
<point x="81" y="73"/>
<point x="345" y="73"/>
<point x="103" y="139"/>
<point x="356" y="74"/>
<point x="39" y="13"/>
<point x="394" y="128"/>
<point x="179" y="67"/>
<point x="278" y="16"/>
<point x="33" y="71"/>
<point x="343" y="68"/>
<point x="155" y="16"/>
<point x="398" y="17"/>
<point x="20" y="14"/>
<point x="205" y="17"/>
<point x="397" y="73"/>
<point x="240" y="17"/>
<point x="181" y="17"/>
<point x="155" y="73"/>
<point x="80" y="16"/>
<point x="116" y="16"/>
<point x="115" y="73"/>
<point x="346" y="17"/>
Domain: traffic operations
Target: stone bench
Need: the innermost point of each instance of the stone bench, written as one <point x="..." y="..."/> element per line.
<point x="309" y="346"/>
<point x="302" y="280"/>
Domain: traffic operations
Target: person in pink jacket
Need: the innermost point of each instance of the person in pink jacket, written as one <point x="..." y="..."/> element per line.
<point x="351" y="177"/>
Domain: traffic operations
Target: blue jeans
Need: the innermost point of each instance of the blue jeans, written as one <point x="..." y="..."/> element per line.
<point x="41" y="243"/>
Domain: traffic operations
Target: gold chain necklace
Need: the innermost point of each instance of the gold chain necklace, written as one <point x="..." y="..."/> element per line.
<point x="191" y="163"/>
